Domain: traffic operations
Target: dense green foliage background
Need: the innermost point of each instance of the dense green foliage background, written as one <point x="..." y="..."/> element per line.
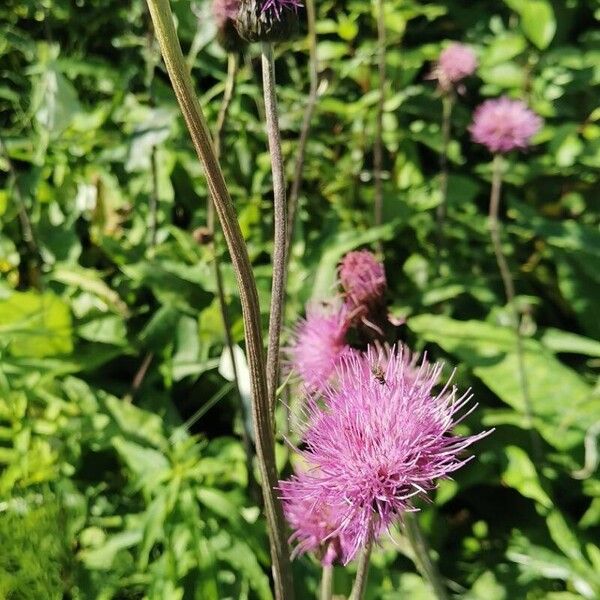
<point x="117" y="486"/>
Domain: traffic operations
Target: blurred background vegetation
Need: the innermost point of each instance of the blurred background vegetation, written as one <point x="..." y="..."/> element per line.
<point x="122" y="468"/>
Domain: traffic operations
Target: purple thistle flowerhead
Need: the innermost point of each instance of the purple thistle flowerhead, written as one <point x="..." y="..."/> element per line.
<point x="224" y="11"/>
<point x="319" y="344"/>
<point x="314" y="524"/>
<point x="267" y="20"/>
<point x="362" y="277"/>
<point x="504" y="124"/>
<point x="376" y="441"/>
<point x="455" y="63"/>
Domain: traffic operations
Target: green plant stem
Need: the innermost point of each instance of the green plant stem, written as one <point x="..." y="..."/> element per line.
<point x="326" y="583"/>
<point x="362" y="574"/>
<point x="378" y="148"/>
<point x="425" y="563"/>
<point x="265" y="445"/>
<point x="311" y="105"/>
<point x="509" y="290"/>
<point x="279" y="220"/>
<point x="441" y="212"/>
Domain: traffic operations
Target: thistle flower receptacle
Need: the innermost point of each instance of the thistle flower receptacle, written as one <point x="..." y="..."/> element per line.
<point x="504" y="124"/>
<point x="455" y="63"/>
<point x="267" y="20"/>
<point x="375" y="442"/>
<point x="319" y="344"/>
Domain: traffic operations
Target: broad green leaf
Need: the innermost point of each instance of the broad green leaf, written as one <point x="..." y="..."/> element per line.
<point x="571" y="343"/>
<point x="490" y="351"/>
<point x="537" y="20"/>
<point x="521" y="475"/>
<point x="36" y="325"/>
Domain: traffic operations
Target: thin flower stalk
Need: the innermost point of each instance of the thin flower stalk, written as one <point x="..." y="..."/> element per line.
<point x="425" y="563"/>
<point x="362" y="574"/>
<point x="311" y="105"/>
<point x="442" y="209"/>
<point x="326" y="583"/>
<point x="279" y="220"/>
<point x="378" y="148"/>
<point x="182" y="84"/>
<point x="509" y="290"/>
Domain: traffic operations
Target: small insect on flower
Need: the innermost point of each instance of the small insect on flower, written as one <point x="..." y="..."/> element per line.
<point x="378" y="373"/>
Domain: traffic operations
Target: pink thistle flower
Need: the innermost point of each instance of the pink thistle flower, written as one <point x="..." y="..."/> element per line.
<point x="314" y="524"/>
<point x="224" y="11"/>
<point x="378" y="442"/>
<point x="363" y="278"/>
<point x="319" y="345"/>
<point x="503" y="125"/>
<point x="455" y="62"/>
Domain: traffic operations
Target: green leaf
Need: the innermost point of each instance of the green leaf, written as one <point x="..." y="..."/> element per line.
<point x="521" y="475"/>
<point x="571" y="343"/>
<point x="36" y="325"/>
<point x="490" y="351"/>
<point x="538" y="22"/>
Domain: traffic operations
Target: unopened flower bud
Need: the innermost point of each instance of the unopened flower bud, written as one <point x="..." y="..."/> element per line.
<point x="267" y="20"/>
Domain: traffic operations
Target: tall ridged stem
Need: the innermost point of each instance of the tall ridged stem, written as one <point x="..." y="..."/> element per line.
<point x="311" y="104"/>
<point x="362" y="574"/>
<point x="425" y="562"/>
<point x="447" y="105"/>
<point x="279" y="221"/>
<point x="509" y="290"/>
<point x="378" y="148"/>
<point x="326" y="583"/>
<point x="232" y="68"/>
<point x="265" y="446"/>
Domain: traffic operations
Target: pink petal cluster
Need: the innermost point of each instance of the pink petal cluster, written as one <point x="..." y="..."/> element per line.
<point x="380" y="439"/>
<point x="504" y="124"/>
<point x="362" y="277"/>
<point x="314" y="524"/>
<point x="455" y="62"/>
<point x="319" y="344"/>
<point x="225" y="10"/>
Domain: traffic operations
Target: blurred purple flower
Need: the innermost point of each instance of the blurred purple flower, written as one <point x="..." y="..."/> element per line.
<point x="224" y="10"/>
<point x="362" y="277"/>
<point x="455" y="62"/>
<point x="381" y="439"/>
<point x="504" y="124"/>
<point x="319" y="344"/>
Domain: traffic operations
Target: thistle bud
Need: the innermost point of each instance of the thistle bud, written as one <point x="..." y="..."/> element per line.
<point x="267" y="20"/>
